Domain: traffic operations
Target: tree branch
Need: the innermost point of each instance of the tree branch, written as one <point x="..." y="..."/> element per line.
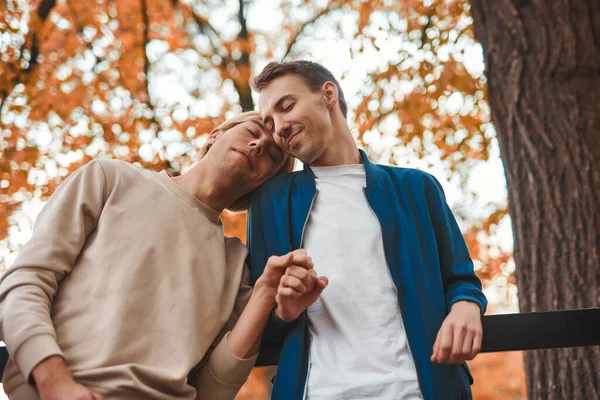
<point x="241" y="17"/>
<point x="147" y="64"/>
<point x="429" y="15"/>
<point x="244" y="92"/>
<point x="203" y="25"/>
<point x="311" y="21"/>
<point x="43" y="11"/>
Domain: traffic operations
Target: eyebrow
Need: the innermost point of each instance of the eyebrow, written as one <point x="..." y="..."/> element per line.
<point x="258" y="124"/>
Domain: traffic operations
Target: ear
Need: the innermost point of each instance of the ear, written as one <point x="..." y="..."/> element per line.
<point x="330" y="93"/>
<point x="214" y="135"/>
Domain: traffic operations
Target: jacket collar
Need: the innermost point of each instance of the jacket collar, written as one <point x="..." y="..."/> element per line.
<point x="371" y="171"/>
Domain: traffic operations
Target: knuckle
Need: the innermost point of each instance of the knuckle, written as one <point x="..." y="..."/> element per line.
<point x="289" y="271"/>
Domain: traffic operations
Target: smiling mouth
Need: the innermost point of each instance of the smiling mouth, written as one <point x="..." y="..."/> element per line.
<point x="292" y="139"/>
<point x="246" y="156"/>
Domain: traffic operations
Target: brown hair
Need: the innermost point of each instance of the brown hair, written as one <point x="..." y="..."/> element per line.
<point x="312" y="73"/>
<point x="241" y="204"/>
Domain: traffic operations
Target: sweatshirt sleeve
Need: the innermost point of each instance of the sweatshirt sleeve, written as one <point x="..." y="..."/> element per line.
<point x="220" y="375"/>
<point x="28" y="287"/>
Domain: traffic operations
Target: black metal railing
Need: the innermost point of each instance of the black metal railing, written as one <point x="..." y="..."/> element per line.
<point x="506" y="332"/>
<point x="520" y="331"/>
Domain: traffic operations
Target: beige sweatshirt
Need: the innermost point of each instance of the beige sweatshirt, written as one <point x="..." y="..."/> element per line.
<point x="133" y="282"/>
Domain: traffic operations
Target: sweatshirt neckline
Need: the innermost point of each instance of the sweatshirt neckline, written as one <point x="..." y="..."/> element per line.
<point x="192" y="200"/>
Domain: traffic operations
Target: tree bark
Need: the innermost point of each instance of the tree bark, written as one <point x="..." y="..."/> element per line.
<point x="543" y="68"/>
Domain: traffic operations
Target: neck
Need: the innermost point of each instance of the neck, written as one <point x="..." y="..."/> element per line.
<point x="207" y="185"/>
<point x="341" y="150"/>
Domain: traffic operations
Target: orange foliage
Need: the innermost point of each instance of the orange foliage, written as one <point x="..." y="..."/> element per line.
<point x="77" y="84"/>
<point x="498" y="376"/>
<point x="234" y="224"/>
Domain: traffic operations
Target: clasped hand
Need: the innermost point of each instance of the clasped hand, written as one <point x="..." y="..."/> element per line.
<point x="292" y="283"/>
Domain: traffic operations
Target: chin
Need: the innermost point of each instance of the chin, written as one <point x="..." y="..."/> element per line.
<point x="306" y="154"/>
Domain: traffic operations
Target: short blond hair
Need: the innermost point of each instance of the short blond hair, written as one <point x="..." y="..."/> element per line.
<point x="241" y="204"/>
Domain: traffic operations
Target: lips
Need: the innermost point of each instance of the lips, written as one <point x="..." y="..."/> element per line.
<point x="292" y="138"/>
<point x="244" y="153"/>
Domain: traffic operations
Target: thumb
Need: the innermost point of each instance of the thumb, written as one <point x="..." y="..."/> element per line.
<point x="279" y="262"/>
<point x="286" y="260"/>
<point x="322" y="283"/>
<point x="96" y="396"/>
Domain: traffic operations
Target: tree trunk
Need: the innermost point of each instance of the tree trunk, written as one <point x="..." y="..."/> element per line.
<point x="543" y="68"/>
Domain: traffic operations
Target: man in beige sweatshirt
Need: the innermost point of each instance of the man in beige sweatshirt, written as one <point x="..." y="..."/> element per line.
<point x="128" y="288"/>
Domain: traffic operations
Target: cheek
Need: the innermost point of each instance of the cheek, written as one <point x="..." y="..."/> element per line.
<point x="266" y="168"/>
<point x="278" y="140"/>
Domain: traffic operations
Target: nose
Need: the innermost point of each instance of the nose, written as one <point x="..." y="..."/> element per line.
<point x="282" y="129"/>
<point x="258" y="145"/>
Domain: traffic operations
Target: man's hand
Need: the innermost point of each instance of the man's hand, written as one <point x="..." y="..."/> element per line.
<point x="268" y="283"/>
<point x="298" y="289"/>
<point x="290" y="282"/>
<point x="55" y="382"/>
<point x="459" y="338"/>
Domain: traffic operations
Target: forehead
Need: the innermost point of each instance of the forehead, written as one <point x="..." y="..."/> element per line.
<point x="251" y="124"/>
<point x="278" y="88"/>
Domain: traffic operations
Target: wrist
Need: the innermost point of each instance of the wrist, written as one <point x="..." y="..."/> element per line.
<point x="263" y="298"/>
<point x="464" y="304"/>
<point x="50" y="371"/>
<point x="277" y="313"/>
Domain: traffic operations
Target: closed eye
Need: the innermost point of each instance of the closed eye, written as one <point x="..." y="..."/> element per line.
<point x="252" y="132"/>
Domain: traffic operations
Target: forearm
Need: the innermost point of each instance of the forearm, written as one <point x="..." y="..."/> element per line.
<point x="25" y="323"/>
<point x="49" y="371"/>
<point x="231" y="361"/>
<point x="244" y="339"/>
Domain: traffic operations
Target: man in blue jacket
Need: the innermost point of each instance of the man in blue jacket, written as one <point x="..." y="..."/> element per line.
<point x="402" y="310"/>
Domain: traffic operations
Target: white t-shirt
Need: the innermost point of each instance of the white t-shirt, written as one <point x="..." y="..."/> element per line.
<point x="358" y="346"/>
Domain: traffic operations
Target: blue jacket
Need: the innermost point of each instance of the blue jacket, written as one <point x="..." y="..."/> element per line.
<point x="426" y="254"/>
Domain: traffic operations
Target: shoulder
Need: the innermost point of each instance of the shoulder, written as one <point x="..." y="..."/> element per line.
<point x="412" y="176"/>
<point x="110" y="166"/>
<point x="278" y="182"/>
<point x="274" y="187"/>
<point x="115" y="175"/>
<point x="119" y="171"/>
